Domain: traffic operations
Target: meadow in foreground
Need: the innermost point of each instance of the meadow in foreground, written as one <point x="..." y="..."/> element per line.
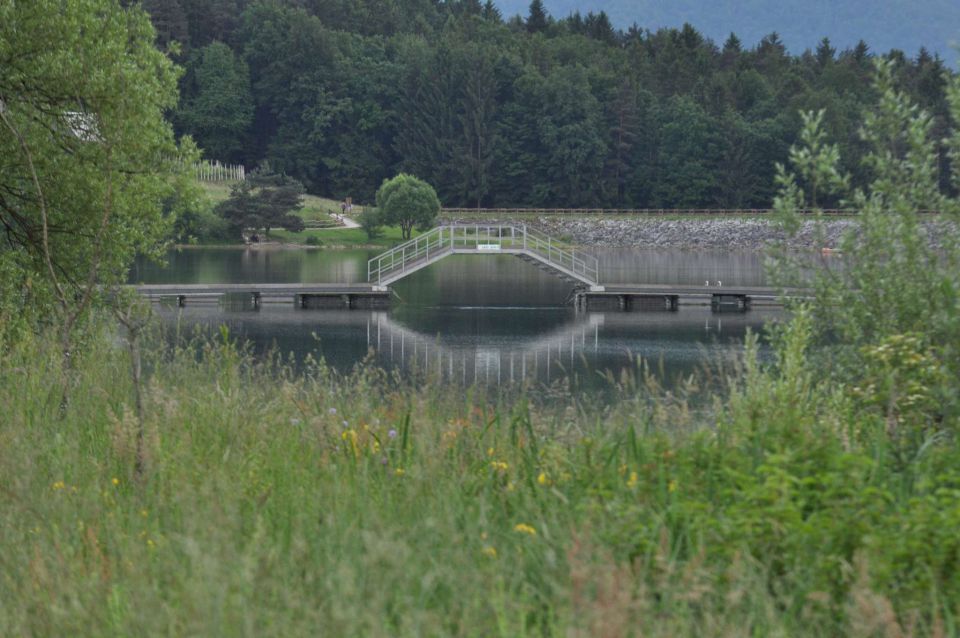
<point x="318" y="504"/>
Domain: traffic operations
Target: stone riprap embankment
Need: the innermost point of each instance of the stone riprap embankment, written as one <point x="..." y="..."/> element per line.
<point x="729" y="233"/>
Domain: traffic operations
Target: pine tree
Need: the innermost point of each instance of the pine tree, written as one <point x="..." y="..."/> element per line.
<point x="537" y="19"/>
<point x="599" y="27"/>
<point x="624" y="124"/>
<point x="219" y="107"/>
<point x="491" y="12"/>
<point x="170" y="22"/>
<point x="479" y="126"/>
<point x="825" y="52"/>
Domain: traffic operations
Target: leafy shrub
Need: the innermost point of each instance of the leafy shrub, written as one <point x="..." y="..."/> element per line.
<point x="371" y="222"/>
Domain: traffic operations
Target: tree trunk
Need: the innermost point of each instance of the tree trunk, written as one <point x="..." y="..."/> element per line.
<point x="136" y="376"/>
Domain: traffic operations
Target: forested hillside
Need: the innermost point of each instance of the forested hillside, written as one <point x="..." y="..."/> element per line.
<point x="518" y="112"/>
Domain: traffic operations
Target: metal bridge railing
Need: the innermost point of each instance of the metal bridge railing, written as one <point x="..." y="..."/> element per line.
<point x="559" y="254"/>
<point x="411" y="253"/>
<point x="478" y="238"/>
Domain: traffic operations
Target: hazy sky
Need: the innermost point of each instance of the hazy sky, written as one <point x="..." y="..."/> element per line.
<point x="883" y="24"/>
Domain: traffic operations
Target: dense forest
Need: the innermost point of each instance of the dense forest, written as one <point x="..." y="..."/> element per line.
<point x="524" y="111"/>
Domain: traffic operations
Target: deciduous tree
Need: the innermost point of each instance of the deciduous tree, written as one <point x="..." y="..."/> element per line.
<point x="85" y="157"/>
<point x="408" y="202"/>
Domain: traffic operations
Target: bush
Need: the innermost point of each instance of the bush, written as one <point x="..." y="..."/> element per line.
<point x="371" y="222"/>
<point x="889" y="307"/>
<point x="313" y="241"/>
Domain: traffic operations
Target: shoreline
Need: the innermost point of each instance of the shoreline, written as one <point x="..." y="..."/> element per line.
<point x="275" y="245"/>
<point x="740" y="235"/>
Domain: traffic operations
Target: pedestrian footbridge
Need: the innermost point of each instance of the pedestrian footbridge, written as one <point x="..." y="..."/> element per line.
<point x="528" y="244"/>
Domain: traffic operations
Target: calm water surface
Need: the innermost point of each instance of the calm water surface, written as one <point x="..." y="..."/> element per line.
<point x="477" y="319"/>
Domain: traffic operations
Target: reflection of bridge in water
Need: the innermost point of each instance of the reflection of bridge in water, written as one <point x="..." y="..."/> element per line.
<point x="586" y="342"/>
<point x="467" y="363"/>
<point x="465" y="347"/>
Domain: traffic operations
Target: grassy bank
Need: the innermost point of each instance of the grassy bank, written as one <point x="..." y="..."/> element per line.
<point x="342" y="237"/>
<point x="281" y="505"/>
<point x="315" y="209"/>
<point x="318" y="211"/>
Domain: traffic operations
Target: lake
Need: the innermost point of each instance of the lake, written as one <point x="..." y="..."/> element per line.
<point x="477" y="319"/>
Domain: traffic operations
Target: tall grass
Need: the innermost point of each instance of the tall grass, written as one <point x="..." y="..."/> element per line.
<point x="320" y="504"/>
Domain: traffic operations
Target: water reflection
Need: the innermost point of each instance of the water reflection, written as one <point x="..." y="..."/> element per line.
<point x="475" y="319"/>
<point x="490" y="346"/>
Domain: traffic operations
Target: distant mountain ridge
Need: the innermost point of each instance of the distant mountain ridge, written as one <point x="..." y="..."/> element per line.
<point x="801" y="24"/>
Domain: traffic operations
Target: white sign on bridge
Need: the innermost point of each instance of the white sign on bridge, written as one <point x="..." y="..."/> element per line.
<point x="488" y="246"/>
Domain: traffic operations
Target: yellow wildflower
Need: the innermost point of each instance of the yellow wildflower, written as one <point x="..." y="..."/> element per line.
<point x="144" y="513"/>
<point x="500" y="466"/>
<point x="543" y="479"/>
<point x="490" y="551"/>
<point x="399" y="471"/>
<point x="672" y="486"/>
<point x="59" y="485"/>
<point x="490" y="451"/>
<point x="525" y="529"/>
<point x="633" y="480"/>
<point x="115" y="481"/>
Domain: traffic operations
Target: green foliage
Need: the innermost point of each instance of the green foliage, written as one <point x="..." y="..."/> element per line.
<point x="774" y="513"/>
<point x="217" y="108"/>
<point x="86" y="157"/>
<point x="170" y="23"/>
<point x="371" y="223"/>
<point x="407" y="202"/>
<point x="198" y="222"/>
<point x="905" y="381"/>
<point x="265" y="200"/>
<point x="568" y="113"/>
<point x="684" y="176"/>
<point x="537" y="18"/>
<point x="892" y="300"/>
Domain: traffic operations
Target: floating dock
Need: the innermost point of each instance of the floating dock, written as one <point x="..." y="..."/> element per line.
<point x="319" y="296"/>
<point x="627" y="297"/>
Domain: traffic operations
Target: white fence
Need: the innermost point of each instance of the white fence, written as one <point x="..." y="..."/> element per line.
<point x="217" y="172"/>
